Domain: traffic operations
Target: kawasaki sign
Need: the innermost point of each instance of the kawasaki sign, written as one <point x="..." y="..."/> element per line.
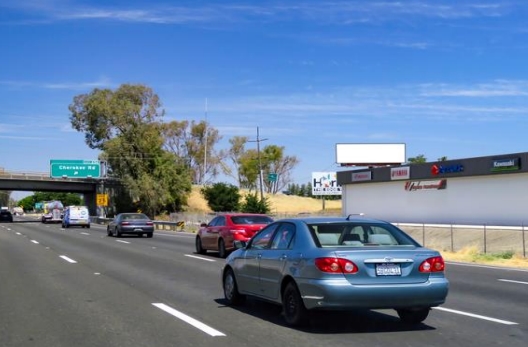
<point x="501" y="165"/>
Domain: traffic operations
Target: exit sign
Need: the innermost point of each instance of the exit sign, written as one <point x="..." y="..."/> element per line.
<point x="75" y="168"/>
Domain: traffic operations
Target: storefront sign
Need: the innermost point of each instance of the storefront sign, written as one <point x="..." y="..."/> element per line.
<point x="401" y="173"/>
<point x="501" y="165"/>
<point x="361" y="176"/>
<point x="425" y="185"/>
<point x="445" y="169"/>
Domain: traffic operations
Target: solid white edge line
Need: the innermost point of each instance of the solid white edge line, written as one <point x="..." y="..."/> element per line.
<point x="189" y="320"/>
<point x="486" y="266"/>
<point x="476" y="316"/>
<point x="35" y="241"/>
<point x="201" y="258"/>
<point x="512" y="281"/>
<point x="68" y="259"/>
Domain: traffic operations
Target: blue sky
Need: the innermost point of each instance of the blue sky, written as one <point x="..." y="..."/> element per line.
<point x="447" y="78"/>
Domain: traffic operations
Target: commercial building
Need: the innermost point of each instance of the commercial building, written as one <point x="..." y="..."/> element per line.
<point x="483" y="190"/>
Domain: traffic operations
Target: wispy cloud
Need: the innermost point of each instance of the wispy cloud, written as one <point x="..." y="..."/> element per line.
<point x="75" y="86"/>
<point x="336" y="12"/>
<point x="498" y="88"/>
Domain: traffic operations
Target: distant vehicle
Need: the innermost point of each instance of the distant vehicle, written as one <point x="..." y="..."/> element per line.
<point x="53" y="212"/>
<point x="130" y="223"/>
<point x="76" y="216"/>
<point x="18" y="211"/>
<point x="6" y="216"/>
<point x="219" y="234"/>
<point x="336" y="263"/>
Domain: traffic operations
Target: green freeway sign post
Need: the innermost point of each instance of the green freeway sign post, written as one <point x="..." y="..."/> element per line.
<point x="75" y="168"/>
<point x="272" y="177"/>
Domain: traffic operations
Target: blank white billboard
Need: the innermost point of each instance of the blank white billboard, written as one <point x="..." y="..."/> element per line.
<point x="370" y="153"/>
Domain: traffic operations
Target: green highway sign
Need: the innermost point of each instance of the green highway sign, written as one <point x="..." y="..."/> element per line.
<point x="75" y="168"/>
<point x="272" y="177"/>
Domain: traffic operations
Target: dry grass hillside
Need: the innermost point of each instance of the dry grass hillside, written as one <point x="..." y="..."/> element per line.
<point x="280" y="203"/>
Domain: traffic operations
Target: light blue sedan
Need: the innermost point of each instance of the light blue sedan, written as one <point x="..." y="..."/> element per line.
<point x="336" y="263"/>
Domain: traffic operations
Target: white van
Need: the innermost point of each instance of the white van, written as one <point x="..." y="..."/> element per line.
<point x="76" y="216"/>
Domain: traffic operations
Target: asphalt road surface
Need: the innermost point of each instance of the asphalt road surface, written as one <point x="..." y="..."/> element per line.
<point x="78" y="287"/>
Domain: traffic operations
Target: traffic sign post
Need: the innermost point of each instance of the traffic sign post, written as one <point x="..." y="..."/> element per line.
<point x="75" y="168"/>
<point x="102" y="200"/>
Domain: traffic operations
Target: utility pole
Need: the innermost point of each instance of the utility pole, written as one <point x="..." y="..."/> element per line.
<point x="258" y="141"/>
<point x="205" y="145"/>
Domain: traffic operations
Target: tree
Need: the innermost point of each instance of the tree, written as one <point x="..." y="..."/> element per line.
<point x="195" y="142"/>
<point x="126" y="125"/>
<point x="221" y="197"/>
<point x="252" y="204"/>
<point x="419" y="159"/>
<point x="444" y="158"/>
<point x="235" y="154"/>
<point x="275" y="161"/>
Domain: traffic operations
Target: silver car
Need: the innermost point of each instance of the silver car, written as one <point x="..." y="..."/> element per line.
<point x="336" y="263"/>
<point x="130" y="223"/>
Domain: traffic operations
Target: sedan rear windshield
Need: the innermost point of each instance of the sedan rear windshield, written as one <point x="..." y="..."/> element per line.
<point x="251" y="220"/>
<point x="359" y="235"/>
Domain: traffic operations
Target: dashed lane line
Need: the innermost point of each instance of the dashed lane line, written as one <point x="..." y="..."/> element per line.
<point x="475" y="316"/>
<point x="512" y="281"/>
<point x="189" y="320"/>
<point x="201" y="258"/>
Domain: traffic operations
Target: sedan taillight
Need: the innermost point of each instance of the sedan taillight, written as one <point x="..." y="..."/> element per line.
<point x="336" y="265"/>
<point x="434" y="264"/>
<point x="125" y="223"/>
<point x="150" y="223"/>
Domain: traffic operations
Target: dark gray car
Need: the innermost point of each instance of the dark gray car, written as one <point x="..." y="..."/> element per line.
<point x="130" y="223"/>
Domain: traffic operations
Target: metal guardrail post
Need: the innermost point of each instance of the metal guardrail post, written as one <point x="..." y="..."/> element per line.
<point x="523" y="241"/>
<point x="485" y="241"/>
<point x="452" y="242"/>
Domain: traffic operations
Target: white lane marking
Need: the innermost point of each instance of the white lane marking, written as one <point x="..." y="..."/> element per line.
<point x="83" y="233"/>
<point x="476" y="316"/>
<point x="487" y="266"/>
<point x="122" y="241"/>
<point x="189" y="320"/>
<point x="18" y="233"/>
<point x="69" y="260"/>
<point x="34" y="241"/>
<point x="201" y="258"/>
<point x="512" y="281"/>
<point x="176" y="235"/>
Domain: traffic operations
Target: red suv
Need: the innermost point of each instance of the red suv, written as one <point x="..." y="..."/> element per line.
<point x="219" y="234"/>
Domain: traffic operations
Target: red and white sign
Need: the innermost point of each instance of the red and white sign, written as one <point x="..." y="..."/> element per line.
<point x="361" y="176"/>
<point x="425" y="185"/>
<point x="401" y="173"/>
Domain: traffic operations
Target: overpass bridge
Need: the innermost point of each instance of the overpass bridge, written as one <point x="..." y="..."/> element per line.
<point x="42" y="182"/>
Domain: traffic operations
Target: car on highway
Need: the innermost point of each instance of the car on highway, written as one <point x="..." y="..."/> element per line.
<point x="220" y="233"/>
<point x="336" y="263"/>
<point x="76" y="216"/>
<point x="6" y="216"/>
<point x="130" y="223"/>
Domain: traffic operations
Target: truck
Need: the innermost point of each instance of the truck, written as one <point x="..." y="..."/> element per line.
<point x="53" y="212"/>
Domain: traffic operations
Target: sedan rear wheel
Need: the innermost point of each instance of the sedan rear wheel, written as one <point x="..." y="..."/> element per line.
<point x="231" y="294"/>
<point x="222" y="253"/>
<point x="108" y="232"/>
<point x="117" y="233"/>
<point x="295" y="313"/>
<point x="413" y="316"/>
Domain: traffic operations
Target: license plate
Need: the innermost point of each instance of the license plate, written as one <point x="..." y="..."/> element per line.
<point x="388" y="270"/>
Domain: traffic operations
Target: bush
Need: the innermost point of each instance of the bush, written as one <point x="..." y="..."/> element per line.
<point x="253" y="204"/>
<point x="222" y="197"/>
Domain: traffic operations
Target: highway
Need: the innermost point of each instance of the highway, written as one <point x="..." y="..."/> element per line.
<point x="79" y="287"/>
